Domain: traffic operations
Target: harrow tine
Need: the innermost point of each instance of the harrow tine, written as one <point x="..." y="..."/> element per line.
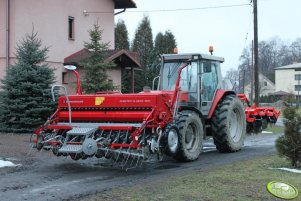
<point x="121" y="163"/>
<point x="132" y="161"/>
<point x="141" y="162"/>
<point x="116" y="161"/>
<point x="116" y="138"/>
<point x="142" y="157"/>
<point x="135" y="165"/>
<point x="138" y="158"/>
<point x="126" y="136"/>
<point x="127" y="158"/>
<point x="107" y="151"/>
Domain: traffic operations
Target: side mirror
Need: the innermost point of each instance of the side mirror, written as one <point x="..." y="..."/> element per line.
<point x="70" y="67"/>
<point x="207" y="67"/>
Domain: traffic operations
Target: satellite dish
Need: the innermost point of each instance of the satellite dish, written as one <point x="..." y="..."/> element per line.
<point x="70" y="67"/>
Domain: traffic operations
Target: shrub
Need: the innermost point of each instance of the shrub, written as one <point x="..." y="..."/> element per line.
<point x="289" y="145"/>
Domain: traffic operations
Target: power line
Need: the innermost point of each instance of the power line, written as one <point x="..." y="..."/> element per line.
<point x="178" y="9"/>
<point x="190" y="9"/>
<point x="250" y="23"/>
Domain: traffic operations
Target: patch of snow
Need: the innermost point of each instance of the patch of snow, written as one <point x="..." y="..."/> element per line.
<point x="11" y="159"/>
<point x="269" y="132"/>
<point x="287" y="169"/>
<point x="6" y="164"/>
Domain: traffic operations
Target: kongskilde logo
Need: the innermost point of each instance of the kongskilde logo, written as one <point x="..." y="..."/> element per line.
<point x="282" y="190"/>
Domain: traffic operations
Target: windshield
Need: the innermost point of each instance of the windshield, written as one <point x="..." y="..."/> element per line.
<point x="188" y="80"/>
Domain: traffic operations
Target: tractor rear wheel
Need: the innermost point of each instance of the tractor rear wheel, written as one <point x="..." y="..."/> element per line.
<point x="190" y="136"/>
<point x="229" y="124"/>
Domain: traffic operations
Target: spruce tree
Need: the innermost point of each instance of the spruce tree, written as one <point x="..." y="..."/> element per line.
<point x="143" y="43"/>
<point x="25" y="99"/>
<point x="122" y="42"/>
<point x="289" y="145"/>
<point x="96" y="78"/>
<point x="121" y="36"/>
<point x="165" y="43"/>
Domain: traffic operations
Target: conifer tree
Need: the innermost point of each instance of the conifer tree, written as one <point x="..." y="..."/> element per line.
<point x="96" y="78"/>
<point x="143" y="43"/>
<point x="25" y="99"/>
<point x="121" y="36"/>
<point x="289" y="145"/>
<point x="165" y="43"/>
<point x="122" y="42"/>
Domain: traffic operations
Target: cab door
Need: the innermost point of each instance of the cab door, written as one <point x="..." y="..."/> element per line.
<point x="209" y="84"/>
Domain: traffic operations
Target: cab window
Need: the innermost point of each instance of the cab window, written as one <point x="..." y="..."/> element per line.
<point x="209" y="80"/>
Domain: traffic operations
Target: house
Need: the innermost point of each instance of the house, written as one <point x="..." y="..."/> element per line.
<point x="266" y="87"/>
<point x="122" y="59"/>
<point x="288" y="78"/>
<point x="61" y="25"/>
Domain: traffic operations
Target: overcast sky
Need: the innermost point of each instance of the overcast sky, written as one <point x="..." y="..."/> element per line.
<point x="228" y="29"/>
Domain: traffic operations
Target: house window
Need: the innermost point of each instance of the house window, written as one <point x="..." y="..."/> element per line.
<point x="298" y="77"/>
<point x="71" y="28"/>
<point x="64" y="78"/>
<point x="297" y="87"/>
<point x="265" y="83"/>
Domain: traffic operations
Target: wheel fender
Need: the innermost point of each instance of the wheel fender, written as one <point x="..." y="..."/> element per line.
<point x="218" y="96"/>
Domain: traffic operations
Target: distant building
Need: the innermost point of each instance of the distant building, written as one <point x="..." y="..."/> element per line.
<point x="122" y="58"/>
<point x="62" y="25"/>
<point x="288" y="78"/>
<point x="266" y="87"/>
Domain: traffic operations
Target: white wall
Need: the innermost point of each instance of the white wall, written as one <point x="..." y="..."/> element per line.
<point x="285" y="80"/>
<point x="50" y="20"/>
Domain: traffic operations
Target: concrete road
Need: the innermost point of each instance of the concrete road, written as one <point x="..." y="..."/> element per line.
<point x="46" y="177"/>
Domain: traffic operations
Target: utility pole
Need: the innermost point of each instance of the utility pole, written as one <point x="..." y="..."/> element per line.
<point x="256" y="76"/>
<point x="298" y="98"/>
<point x="252" y="74"/>
<point x="7" y="49"/>
<point x="244" y="80"/>
<point x="239" y="82"/>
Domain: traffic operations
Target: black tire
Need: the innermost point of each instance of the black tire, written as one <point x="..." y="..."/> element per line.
<point x="171" y="140"/>
<point x="229" y="124"/>
<point x="39" y="144"/>
<point x="190" y="136"/>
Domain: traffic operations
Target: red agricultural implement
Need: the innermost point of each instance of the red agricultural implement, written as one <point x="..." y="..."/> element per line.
<point x="188" y="105"/>
<point x="258" y="118"/>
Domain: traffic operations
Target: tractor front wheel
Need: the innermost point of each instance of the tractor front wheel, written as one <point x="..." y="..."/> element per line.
<point x="229" y="124"/>
<point x="190" y="136"/>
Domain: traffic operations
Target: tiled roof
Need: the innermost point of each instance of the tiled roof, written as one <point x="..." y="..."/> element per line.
<point x="123" y="58"/>
<point x="121" y="4"/>
<point x="291" y="66"/>
<point x="280" y="93"/>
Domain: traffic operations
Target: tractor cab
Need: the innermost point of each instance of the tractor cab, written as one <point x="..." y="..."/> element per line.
<point x="200" y="79"/>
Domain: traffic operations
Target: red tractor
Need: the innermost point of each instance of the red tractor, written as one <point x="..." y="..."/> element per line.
<point x="188" y="106"/>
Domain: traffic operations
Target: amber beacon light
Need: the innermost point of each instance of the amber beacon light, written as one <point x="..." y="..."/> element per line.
<point x="211" y="49"/>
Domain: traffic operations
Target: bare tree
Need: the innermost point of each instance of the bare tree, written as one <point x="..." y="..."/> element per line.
<point x="233" y="76"/>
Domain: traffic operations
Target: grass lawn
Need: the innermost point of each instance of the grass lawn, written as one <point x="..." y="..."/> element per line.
<point x="243" y="181"/>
